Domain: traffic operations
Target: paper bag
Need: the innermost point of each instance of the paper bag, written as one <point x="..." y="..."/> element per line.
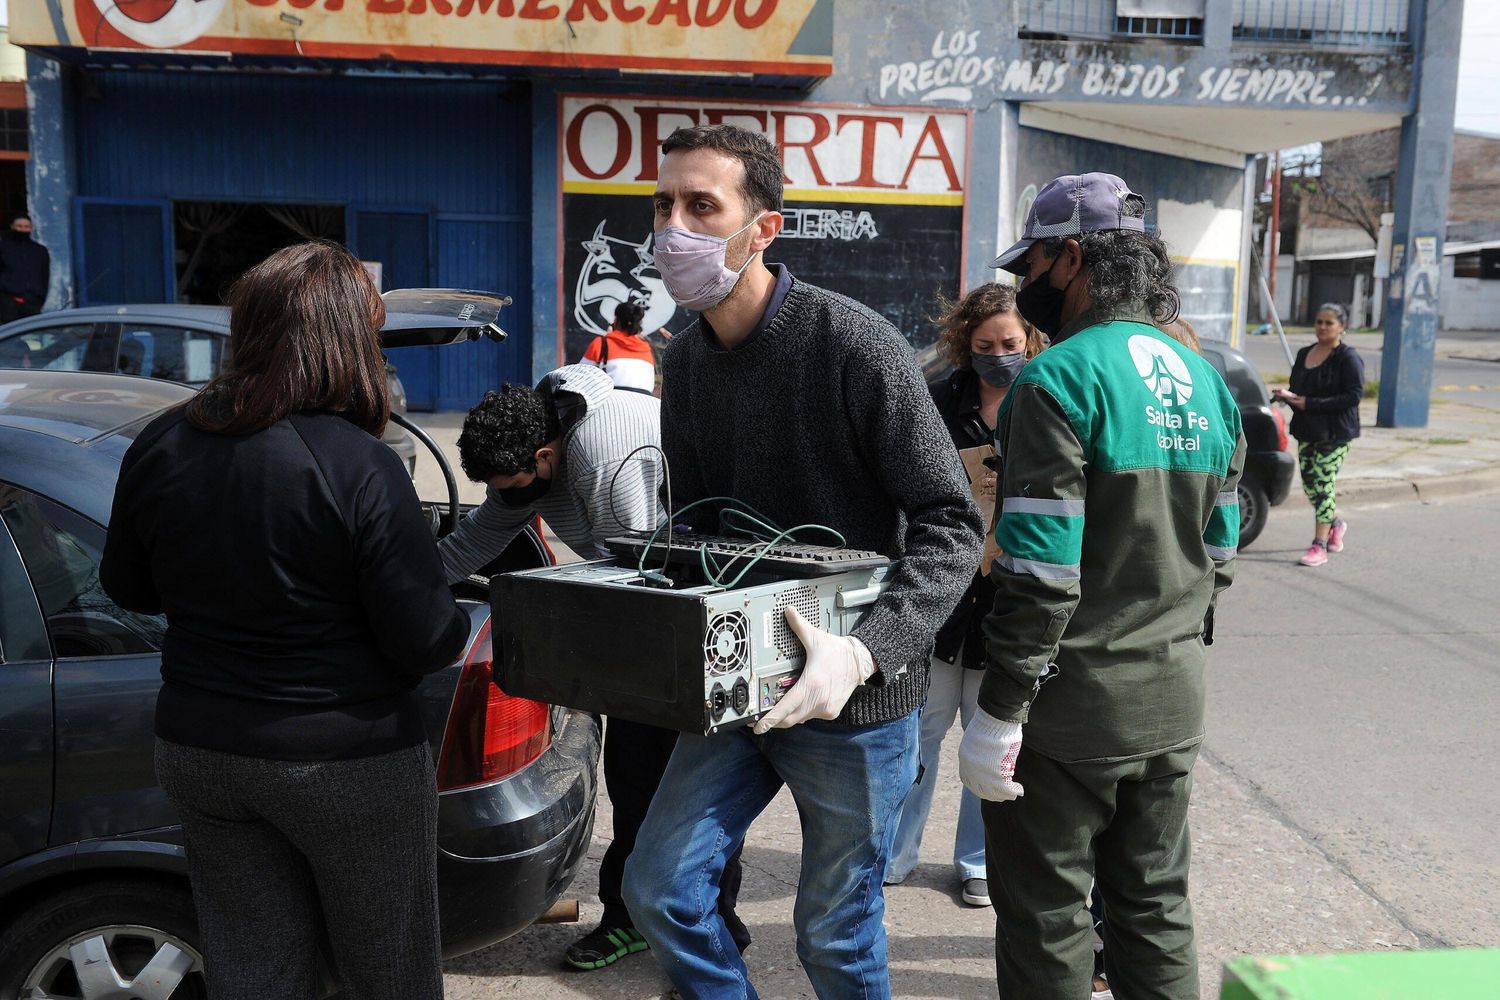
<point x="973" y="459"/>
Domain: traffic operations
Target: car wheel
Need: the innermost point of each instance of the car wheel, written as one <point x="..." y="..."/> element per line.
<point x="1255" y="507"/>
<point x="113" y="939"/>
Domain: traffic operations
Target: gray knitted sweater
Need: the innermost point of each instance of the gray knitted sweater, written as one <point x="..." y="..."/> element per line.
<point x="823" y="418"/>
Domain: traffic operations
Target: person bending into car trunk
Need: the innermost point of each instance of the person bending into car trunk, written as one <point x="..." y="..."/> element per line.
<point x="585" y="455"/>
<point x="304" y="600"/>
<point x="808" y="407"/>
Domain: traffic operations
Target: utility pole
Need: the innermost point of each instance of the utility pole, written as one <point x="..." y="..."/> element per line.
<point x="1274" y="243"/>
<point x="1426" y="166"/>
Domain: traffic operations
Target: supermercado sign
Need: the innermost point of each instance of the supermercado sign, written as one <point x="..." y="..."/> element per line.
<point x="831" y="152"/>
<point x="705" y="36"/>
<point x="874" y="204"/>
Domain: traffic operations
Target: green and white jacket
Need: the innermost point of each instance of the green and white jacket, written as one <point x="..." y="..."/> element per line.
<point x="1120" y="453"/>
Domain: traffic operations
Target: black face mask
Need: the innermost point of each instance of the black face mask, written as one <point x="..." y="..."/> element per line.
<point x="998" y="370"/>
<point x="1041" y="304"/>
<point x="525" y="496"/>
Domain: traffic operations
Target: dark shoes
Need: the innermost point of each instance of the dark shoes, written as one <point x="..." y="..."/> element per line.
<point x="976" y="892"/>
<point x="604" y="946"/>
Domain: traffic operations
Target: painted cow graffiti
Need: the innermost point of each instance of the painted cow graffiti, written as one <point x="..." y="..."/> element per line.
<point x="617" y="271"/>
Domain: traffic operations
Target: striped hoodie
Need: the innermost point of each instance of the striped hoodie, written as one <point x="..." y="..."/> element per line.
<point x="601" y="425"/>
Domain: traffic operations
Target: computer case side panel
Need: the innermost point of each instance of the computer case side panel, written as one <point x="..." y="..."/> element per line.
<point x="552" y="636"/>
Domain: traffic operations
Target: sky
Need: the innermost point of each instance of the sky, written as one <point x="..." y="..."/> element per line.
<point x="1479" y="68"/>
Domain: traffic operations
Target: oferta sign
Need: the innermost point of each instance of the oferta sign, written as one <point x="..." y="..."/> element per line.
<point x="874" y="204"/>
<point x="792" y="37"/>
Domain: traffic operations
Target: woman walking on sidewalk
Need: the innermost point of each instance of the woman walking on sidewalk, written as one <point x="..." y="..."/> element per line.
<point x="1327" y="383"/>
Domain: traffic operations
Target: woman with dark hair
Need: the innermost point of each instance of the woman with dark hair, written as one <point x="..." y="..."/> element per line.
<point x="623" y="353"/>
<point x="304" y="601"/>
<point x="1327" y="384"/>
<point x="988" y="343"/>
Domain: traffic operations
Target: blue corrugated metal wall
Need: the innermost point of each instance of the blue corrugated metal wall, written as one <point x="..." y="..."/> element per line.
<point x="458" y="151"/>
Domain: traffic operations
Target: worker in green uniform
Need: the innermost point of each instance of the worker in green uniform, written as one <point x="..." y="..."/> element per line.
<point x="1120" y="451"/>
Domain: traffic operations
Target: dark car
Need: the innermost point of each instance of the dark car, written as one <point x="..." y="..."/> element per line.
<point x="93" y="874"/>
<point x="179" y="343"/>
<point x="1269" y="467"/>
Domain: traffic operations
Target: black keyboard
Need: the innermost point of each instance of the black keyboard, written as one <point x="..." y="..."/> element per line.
<point x="789" y="557"/>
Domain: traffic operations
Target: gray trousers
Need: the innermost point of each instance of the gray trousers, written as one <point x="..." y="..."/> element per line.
<point x="285" y="854"/>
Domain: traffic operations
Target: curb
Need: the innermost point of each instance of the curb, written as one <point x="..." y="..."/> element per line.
<point x="1372" y="492"/>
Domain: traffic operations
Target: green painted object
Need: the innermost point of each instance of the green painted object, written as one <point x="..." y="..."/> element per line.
<point x="1458" y="974"/>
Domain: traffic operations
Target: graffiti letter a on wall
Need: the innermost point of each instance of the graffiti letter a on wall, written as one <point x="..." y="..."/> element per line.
<point x="619" y="271"/>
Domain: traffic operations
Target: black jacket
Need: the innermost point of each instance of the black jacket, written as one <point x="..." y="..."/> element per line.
<point x="1333" y="391"/>
<point x="301" y="584"/>
<point x="957" y="398"/>
<point x="25" y="268"/>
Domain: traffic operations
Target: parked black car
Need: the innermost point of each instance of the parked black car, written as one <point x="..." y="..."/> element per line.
<point x="1269" y="467"/>
<point x="179" y="343"/>
<point x="93" y="875"/>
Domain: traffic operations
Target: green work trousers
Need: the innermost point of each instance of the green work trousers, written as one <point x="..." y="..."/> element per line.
<point x="1124" y="825"/>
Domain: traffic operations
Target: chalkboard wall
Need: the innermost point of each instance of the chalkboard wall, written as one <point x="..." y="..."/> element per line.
<point x="894" y="258"/>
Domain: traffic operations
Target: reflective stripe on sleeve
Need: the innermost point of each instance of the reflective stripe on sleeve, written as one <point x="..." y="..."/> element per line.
<point x="1038" y="569"/>
<point x="1053" y="508"/>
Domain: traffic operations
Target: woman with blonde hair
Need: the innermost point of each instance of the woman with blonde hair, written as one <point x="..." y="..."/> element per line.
<point x="987" y="341"/>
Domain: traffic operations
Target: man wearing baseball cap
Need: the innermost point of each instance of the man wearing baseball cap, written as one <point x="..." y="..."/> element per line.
<point x="1120" y="453"/>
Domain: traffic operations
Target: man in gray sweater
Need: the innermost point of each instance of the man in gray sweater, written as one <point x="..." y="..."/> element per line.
<point x="809" y="408"/>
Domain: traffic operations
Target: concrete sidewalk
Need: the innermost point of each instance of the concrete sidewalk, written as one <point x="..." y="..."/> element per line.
<point x="1457" y="453"/>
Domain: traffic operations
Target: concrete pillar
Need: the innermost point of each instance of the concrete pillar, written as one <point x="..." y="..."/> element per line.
<point x="51" y="171"/>
<point x="1411" y="320"/>
<point x="546" y="347"/>
<point x="1004" y="152"/>
<point x="1218" y="25"/>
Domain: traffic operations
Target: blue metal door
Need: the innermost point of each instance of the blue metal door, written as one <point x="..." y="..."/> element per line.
<point x="124" y="250"/>
<point x="482" y="252"/>
<point x="400" y="239"/>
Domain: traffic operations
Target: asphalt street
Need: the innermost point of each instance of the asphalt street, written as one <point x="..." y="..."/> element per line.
<point x="1457" y="379"/>
<point x="1344" y="797"/>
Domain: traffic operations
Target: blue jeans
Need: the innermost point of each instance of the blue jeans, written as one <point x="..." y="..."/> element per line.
<point x="848" y="783"/>
<point x="954" y="692"/>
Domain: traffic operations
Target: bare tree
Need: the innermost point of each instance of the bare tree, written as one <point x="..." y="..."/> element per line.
<point x="1351" y="182"/>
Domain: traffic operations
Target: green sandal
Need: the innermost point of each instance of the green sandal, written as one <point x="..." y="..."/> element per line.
<point x="604" y="946"/>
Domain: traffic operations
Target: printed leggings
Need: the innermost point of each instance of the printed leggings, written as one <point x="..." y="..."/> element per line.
<point x="1320" y="462"/>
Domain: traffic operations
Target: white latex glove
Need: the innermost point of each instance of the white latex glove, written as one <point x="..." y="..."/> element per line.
<point x="987" y="758"/>
<point x="836" y="665"/>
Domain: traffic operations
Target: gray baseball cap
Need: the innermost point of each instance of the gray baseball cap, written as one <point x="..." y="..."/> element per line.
<point x="1072" y="205"/>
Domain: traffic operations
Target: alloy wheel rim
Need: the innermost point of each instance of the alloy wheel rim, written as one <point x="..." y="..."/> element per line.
<point x="1247" y="506"/>
<point x="115" y="962"/>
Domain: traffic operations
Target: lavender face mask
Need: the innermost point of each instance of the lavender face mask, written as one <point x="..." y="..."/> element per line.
<point x="692" y="266"/>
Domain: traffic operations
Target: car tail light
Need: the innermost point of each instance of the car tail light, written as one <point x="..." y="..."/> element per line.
<point x="490" y="735"/>
<point x="1280" y="429"/>
<point x="541" y="536"/>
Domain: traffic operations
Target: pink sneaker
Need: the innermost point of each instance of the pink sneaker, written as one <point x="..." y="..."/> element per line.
<point x="1316" y="555"/>
<point x="1336" y="535"/>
